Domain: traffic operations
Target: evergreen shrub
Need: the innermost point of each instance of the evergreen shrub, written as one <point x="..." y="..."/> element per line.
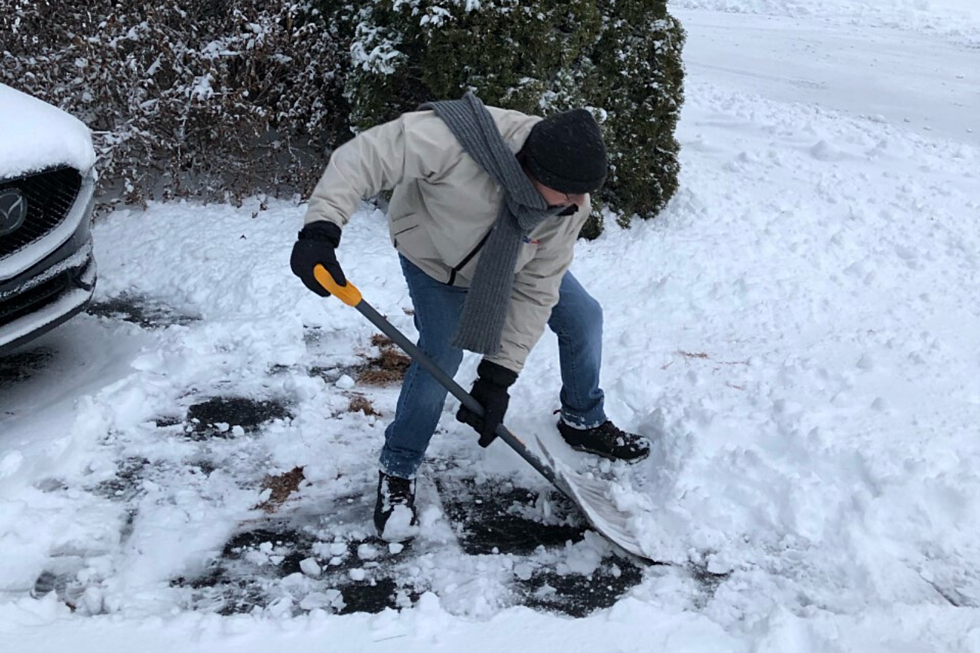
<point x="620" y="58"/>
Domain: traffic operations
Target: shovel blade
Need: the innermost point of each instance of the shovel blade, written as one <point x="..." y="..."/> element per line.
<point x="594" y="497"/>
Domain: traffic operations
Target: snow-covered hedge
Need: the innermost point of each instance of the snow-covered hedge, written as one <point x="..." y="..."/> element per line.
<point x="216" y="99"/>
<point x="622" y="58"/>
<point x="227" y="98"/>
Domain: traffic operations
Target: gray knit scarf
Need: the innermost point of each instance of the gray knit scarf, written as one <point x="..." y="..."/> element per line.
<point x="523" y="209"/>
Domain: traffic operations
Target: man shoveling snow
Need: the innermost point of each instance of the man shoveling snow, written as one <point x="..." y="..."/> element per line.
<point x="486" y="207"/>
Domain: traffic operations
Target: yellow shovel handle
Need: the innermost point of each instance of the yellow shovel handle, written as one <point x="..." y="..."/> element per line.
<point x="347" y="293"/>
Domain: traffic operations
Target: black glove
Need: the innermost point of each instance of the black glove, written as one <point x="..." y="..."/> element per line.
<point x="316" y="244"/>
<point x="490" y="389"/>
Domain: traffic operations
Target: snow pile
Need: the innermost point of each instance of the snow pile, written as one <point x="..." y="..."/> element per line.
<point x="399" y="527"/>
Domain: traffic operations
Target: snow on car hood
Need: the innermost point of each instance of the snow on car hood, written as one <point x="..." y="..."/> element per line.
<point x="36" y="135"/>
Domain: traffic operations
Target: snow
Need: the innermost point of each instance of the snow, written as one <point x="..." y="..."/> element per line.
<point x="310" y="567"/>
<point x="797" y="334"/>
<point x="399" y="526"/>
<point x="36" y="135"/>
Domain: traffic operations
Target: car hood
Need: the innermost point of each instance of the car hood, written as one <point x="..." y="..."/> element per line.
<point x="35" y="135"/>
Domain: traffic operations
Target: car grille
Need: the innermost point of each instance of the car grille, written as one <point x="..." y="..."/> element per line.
<point x="50" y="196"/>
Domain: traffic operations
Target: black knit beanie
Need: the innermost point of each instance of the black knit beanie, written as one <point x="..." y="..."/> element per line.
<point x="565" y="152"/>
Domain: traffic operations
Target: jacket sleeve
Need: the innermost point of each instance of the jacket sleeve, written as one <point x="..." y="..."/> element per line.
<point x="535" y="292"/>
<point x="412" y="146"/>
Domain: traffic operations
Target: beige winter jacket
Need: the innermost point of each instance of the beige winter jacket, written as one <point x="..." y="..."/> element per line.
<point x="442" y="207"/>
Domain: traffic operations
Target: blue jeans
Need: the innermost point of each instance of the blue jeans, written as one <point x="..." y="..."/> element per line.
<point x="576" y="320"/>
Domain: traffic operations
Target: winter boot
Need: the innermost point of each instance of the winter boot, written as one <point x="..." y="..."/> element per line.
<point x="607" y="441"/>
<point x="394" y="512"/>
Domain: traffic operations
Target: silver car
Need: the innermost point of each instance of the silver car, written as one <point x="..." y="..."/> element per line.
<point x="47" y="184"/>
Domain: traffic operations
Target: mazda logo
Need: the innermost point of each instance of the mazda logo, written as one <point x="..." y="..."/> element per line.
<point x="13" y="210"/>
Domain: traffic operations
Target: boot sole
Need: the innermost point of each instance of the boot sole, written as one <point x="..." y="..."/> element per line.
<point x="608" y="456"/>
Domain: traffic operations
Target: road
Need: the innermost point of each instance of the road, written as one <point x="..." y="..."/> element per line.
<point x="926" y="82"/>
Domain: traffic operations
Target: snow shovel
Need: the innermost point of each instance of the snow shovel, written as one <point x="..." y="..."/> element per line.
<point x="591" y="495"/>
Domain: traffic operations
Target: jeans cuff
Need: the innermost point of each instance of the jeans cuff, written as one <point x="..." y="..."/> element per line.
<point x="393" y="466"/>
